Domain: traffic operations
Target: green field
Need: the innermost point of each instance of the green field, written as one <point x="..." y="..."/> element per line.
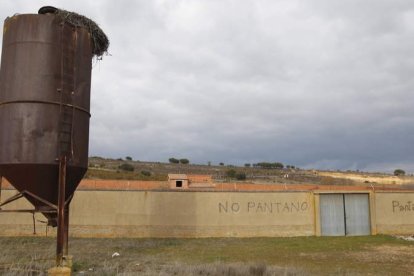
<point x="371" y="255"/>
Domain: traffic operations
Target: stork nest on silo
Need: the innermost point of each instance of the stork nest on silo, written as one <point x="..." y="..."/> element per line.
<point x="99" y="38"/>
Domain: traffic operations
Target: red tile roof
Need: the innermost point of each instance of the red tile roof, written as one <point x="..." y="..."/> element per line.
<point x="90" y="184"/>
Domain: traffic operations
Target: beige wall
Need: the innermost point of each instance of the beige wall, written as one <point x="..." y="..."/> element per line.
<point x="394" y="213"/>
<point x="20" y="223"/>
<point x="180" y="214"/>
<point x="204" y="214"/>
<point x="191" y="214"/>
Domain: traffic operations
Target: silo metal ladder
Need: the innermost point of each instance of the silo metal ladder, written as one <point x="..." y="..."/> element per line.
<point x="68" y="68"/>
<point x="65" y="131"/>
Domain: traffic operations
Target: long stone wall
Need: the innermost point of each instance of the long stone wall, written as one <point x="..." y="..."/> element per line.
<point x="203" y="214"/>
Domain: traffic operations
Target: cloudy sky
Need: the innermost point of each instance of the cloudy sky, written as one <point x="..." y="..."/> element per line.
<point x="324" y="84"/>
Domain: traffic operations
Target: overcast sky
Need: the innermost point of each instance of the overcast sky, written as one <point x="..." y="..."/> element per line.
<point x="322" y="84"/>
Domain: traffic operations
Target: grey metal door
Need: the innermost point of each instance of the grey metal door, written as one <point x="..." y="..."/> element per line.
<point x="332" y="215"/>
<point x="357" y="215"/>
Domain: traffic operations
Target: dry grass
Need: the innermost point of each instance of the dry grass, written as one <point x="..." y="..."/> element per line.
<point x="373" y="255"/>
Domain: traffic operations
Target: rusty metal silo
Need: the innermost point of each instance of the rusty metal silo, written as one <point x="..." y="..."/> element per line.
<point x="45" y="80"/>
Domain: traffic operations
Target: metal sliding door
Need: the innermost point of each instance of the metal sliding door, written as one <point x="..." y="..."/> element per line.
<point x="345" y="214"/>
<point x="332" y="215"/>
<point x="357" y="215"/>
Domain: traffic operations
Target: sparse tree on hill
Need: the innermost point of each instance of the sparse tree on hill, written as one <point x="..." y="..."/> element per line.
<point x="173" y="160"/>
<point x="247" y="165"/>
<point x="267" y="165"/>
<point x="184" y="161"/>
<point x="129" y="158"/>
<point x="399" y="172"/>
<point x="278" y="165"/>
<point x="264" y="165"/>
<point x="221" y="164"/>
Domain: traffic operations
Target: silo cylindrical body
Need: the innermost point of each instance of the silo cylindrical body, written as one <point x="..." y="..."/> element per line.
<point x="45" y="80"/>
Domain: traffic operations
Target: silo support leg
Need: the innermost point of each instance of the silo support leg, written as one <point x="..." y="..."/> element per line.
<point x="1" y="181"/>
<point x="67" y="259"/>
<point x="60" y="241"/>
<point x="66" y="238"/>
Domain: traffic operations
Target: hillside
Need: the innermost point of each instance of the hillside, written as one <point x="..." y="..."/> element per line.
<point x="103" y="168"/>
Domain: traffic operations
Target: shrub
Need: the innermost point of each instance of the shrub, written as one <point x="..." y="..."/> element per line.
<point x="247" y="165"/>
<point x="129" y="158"/>
<point x="231" y="173"/>
<point x="241" y="176"/>
<point x="126" y="167"/>
<point x="146" y="173"/>
<point x="221" y="164"/>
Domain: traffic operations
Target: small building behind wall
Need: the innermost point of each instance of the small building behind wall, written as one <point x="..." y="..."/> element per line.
<point x="184" y="181"/>
<point x="178" y="181"/>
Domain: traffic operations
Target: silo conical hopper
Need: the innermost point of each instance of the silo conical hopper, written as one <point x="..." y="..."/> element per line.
<point x="45" y="80"/>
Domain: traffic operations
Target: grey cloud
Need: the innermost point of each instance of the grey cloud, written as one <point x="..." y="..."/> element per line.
<point x="324" y="84"/>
